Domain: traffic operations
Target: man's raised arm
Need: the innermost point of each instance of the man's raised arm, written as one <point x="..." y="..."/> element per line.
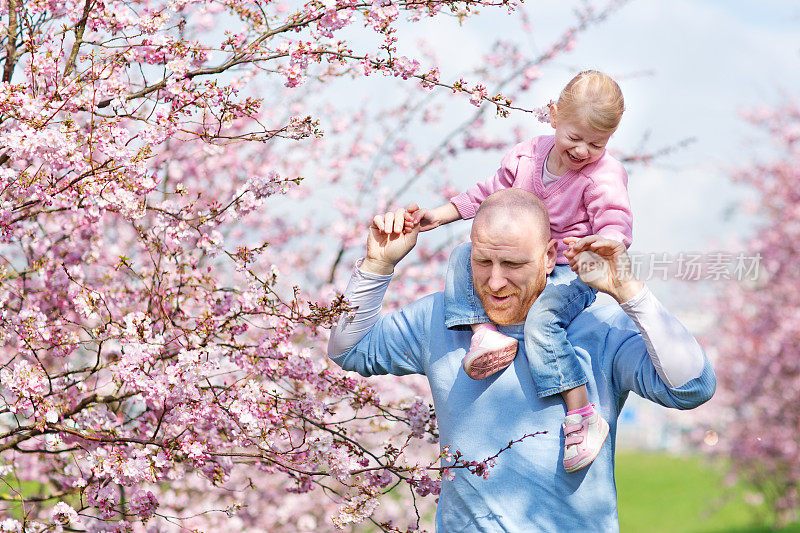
<point x="388" y="242"/>
<point x="680" y="375"/>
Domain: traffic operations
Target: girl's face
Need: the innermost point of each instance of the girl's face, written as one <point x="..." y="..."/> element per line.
<point x="577" y="143"/>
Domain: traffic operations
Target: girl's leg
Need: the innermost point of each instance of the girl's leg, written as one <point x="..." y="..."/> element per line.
<point x="576" y="398"/>
<point x="461" y="303"/>
<point x="555" y="366"/>
<point x="553" y="362"/>
<point x="490" y="351"/>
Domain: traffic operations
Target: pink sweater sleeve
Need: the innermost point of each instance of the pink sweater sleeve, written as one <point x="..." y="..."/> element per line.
<point x="607" y="203"/>
<point x="467" y="202"/>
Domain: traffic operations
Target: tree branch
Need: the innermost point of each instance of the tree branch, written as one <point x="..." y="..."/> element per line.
<point x="80" y="27"/>
<point x="11" y="45"/>
<point x="236" y="59"/>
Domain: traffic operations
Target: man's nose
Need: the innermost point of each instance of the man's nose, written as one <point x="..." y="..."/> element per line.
<point x="497" y="279"/>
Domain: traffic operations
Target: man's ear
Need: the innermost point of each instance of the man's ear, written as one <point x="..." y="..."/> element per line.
<point x="553" y="111"/>
<point x="552" y="253"/>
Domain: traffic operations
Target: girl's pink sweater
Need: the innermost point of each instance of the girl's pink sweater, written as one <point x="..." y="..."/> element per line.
<point x="591" y="201"/>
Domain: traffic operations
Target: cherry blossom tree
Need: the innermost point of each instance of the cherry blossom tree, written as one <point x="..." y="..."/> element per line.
<point x="183" y="188"/>
<point x="759" y="329"/>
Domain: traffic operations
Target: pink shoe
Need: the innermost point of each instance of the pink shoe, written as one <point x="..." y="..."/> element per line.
<point x="583" y="438"/>
<point x="489" y="352"/>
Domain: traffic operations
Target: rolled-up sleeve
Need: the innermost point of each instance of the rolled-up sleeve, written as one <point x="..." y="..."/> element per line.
<point x="672" y="372"/>
<point x="634" y="371"/>
<point x="370" y="344"/>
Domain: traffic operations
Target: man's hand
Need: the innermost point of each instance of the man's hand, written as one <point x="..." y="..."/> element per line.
<point x="604" y="265"/>
<point x="390" y="239"/>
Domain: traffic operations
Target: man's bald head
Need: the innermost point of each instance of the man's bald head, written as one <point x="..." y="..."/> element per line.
<point x="512" y="253"/>
<point x="513" y="207"/>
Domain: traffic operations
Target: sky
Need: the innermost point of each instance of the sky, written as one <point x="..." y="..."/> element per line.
<point x="706" y="61"/>
<point x="687" y="68"/>
<point x="710" y="60"/>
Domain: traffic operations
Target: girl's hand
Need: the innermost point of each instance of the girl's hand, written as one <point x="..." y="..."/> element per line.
<point x="428" y="219"/>
<point x="412" y="215"/>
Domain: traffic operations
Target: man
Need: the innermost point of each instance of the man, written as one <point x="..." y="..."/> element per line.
<point x="637" y="346"/>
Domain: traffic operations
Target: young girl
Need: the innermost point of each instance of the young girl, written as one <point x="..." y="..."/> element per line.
<point x="585" y="191"/>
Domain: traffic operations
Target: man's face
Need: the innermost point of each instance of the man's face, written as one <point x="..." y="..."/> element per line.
<point x="510" y="263"/>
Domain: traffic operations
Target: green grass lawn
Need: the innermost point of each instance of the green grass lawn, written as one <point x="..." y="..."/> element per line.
<point x="659" y="492"/>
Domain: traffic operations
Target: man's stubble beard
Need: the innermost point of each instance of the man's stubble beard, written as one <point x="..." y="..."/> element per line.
<point x="516" y="314"/>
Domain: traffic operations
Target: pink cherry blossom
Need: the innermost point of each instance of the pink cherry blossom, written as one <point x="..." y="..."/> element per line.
<point x="184" y="187"/>
<point x="758" y="330"/>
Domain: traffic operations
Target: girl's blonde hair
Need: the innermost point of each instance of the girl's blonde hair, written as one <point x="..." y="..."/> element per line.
<point x="595" y="96"/>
